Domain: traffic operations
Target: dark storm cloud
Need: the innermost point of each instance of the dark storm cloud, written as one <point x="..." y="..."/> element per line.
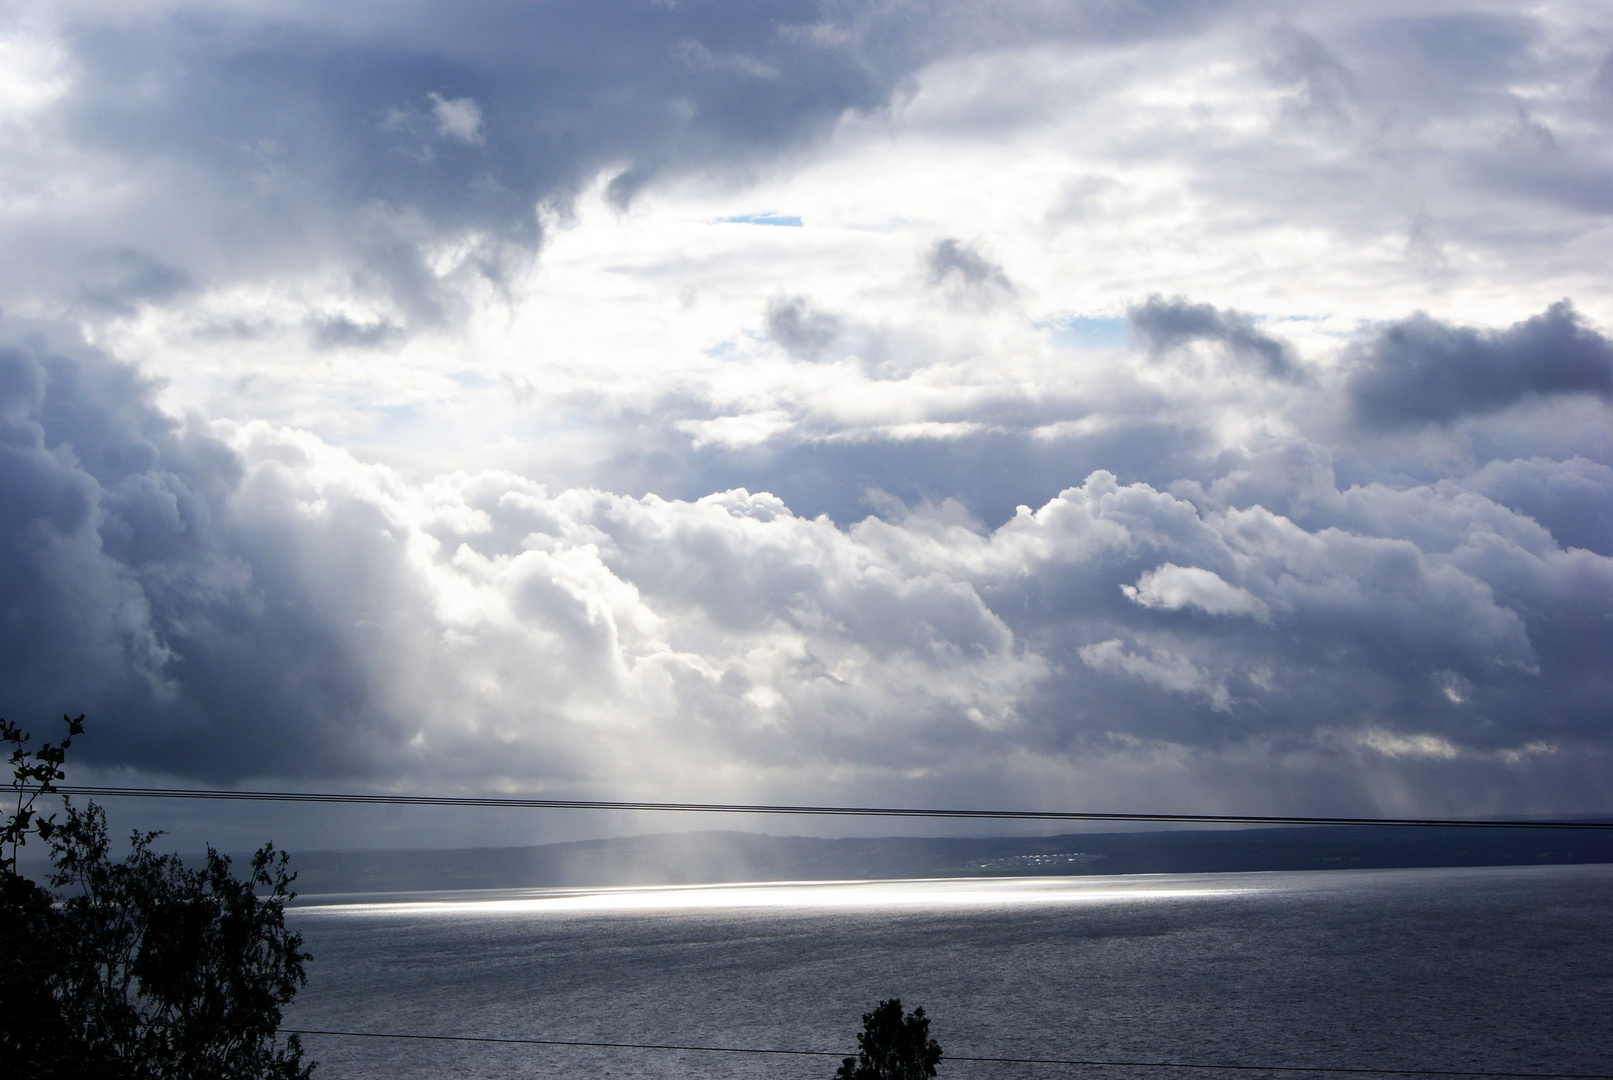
<point x="1421" y="370"/>
<point x="131" y="592"/>
<point x="1162" y="325"/>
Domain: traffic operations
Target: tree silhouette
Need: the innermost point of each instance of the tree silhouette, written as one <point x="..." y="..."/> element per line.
<point x="33" y="773"/>
<point x="892" y="1047"/>
<point x="140" y="968"/>
<point x="31" y="1029"/>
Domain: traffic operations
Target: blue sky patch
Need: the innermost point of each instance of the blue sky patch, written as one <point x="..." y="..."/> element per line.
<point x="791" y="220"/>
<point x="1084" y="332"/>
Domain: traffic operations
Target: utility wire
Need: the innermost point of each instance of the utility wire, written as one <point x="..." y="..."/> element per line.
<point x="1310" y="1069"/>
<point x="818" y="811"/>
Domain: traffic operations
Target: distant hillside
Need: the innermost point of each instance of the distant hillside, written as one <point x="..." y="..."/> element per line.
<point x="697" y="857"/>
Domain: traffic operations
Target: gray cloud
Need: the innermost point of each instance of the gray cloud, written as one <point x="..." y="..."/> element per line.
<point x="1163" y="325"/>
<point x="131" y="587"/>
<point x="339" y="331"/>
<point x="1573" y="498"/>
<point x="119" y="282"/>
<point x="1352" y="149"/>
<point x="990" y="472"/>
<point x="1095" y="580"/>
<point x="307" y="138"/>
<point x="254" y="602"/>
<point x="1420" y="370"/>
<point x="1324" y="91"/>
<point x="959" y="264"/>
<point x="801" y="329"/>
<point x="361" y="138"/>
<point x="1603" y="83"/>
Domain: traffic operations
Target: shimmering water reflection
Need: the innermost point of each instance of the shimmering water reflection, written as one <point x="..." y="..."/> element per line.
<point x="1487" y="970"/>
<point x="800" y="895"/>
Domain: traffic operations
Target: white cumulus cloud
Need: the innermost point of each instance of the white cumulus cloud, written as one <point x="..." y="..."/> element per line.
<point x="1173" y="587"/>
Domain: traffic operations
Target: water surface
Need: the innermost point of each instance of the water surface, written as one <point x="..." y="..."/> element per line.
<point x="1504" y="969"/>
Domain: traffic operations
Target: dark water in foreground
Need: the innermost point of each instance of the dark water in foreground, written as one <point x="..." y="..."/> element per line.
<point x="1484" y="969"/>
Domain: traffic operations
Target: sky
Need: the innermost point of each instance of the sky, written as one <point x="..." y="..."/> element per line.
<point x="1183" y="406"/>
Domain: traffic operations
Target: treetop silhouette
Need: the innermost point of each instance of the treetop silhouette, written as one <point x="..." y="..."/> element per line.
<point x="892" y="1046"/>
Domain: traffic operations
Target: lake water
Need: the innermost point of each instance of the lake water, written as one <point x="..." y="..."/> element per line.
<point x="1500" y="970"/>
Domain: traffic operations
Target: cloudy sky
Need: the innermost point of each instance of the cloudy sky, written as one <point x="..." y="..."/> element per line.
<point x="1179" y="406"/>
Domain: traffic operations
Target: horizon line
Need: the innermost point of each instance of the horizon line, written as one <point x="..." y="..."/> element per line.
<point x="495" y="802"/>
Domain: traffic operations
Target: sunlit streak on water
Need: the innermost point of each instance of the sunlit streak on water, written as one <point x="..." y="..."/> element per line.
<point x="928" y="893"/>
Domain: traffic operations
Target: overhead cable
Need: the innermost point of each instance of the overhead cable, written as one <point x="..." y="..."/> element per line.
<point x="497" y="802"/>
<point x="1205" y="1066"/>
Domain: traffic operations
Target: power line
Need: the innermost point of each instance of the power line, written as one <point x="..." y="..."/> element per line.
<point x="1309" y="1069"/>
<point x="816" y="811"/>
